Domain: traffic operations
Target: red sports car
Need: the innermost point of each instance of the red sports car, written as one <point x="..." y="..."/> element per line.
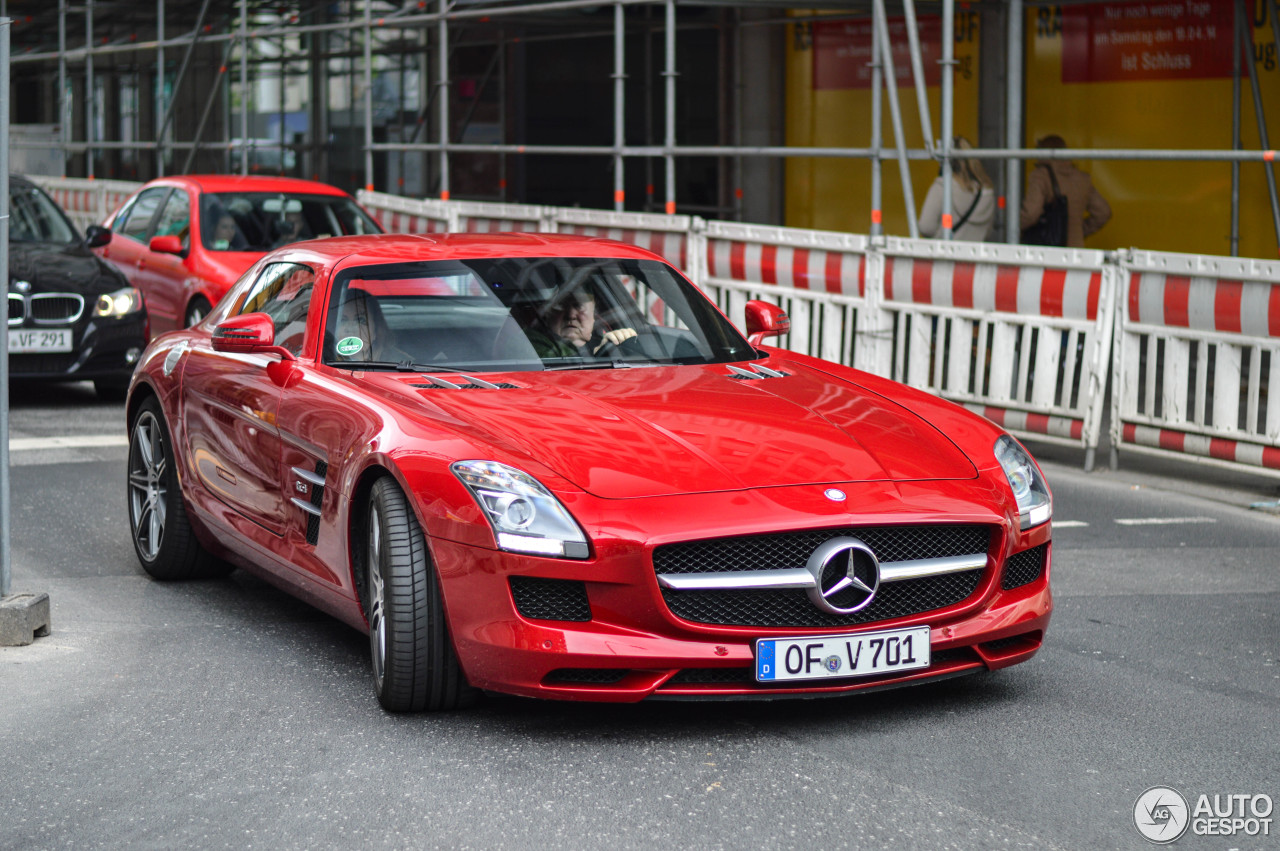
<point x="235" y="221"/>
<point x="549" y="466"/>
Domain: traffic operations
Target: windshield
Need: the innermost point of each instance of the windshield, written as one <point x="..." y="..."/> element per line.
<point x="261" y="221"/>
<point x="33" y="217"/>
<point x="522" y="314"/>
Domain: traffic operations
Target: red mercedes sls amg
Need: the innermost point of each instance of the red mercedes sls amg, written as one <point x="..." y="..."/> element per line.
<point x="549" y="466"/>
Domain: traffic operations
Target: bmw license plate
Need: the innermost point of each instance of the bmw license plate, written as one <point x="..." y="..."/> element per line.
<point x="25" y="342"/>
<point x="826" y="656"/>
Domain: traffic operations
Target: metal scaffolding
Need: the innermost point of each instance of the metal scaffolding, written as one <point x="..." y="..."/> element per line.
<point x="373" y="31"/>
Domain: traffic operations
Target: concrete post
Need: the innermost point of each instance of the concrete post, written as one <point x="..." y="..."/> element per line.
<point x="22" y="616"/>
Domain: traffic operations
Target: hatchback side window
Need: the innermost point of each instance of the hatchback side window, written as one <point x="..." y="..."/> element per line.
<point x="175" y="218"/>
<point x="137" y="218"/>
<point x="283" y="292"/>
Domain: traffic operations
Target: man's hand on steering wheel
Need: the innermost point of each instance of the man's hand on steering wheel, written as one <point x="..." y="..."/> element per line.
<point x="614" y="339"/>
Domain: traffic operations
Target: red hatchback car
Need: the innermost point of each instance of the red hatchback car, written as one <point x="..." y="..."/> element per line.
<point x="549" y="466"/>
<point x="235" y="221"/>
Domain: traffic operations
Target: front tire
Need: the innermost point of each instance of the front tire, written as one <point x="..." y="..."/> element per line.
<point x="198" y="309"/>
<point x="161" y="532"/>
<point x="415" y="668"/>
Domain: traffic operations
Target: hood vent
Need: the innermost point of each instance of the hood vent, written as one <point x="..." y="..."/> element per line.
<point x="737" y="373"/>
<point x="438" y="383"/>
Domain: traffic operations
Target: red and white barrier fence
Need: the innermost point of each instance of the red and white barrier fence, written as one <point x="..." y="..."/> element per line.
<point x="1022" y="334"/>
<point x="1019" y="334"/>
<point x="818" y="277"/>
<point x="1197" y="364"/>
<point x="87" y="202"/>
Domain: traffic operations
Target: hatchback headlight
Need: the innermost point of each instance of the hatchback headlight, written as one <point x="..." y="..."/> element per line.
<point x="119" y="303"/>
<point x="1035" y="506"/>
<point x="526" y="517"/>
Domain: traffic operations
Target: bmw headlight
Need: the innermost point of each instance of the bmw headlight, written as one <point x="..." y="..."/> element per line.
<point x="1035" y="506"/>
<point x="119" y="303"/>
<point x="525" y="516"/>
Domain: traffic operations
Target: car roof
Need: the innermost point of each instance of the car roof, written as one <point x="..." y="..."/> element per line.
<point x="393" y="248"/>
<point x="248" y="183"/>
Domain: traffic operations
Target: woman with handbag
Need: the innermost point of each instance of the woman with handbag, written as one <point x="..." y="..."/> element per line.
<point x="1086" y="210"/>
<point x="973" y="200"/>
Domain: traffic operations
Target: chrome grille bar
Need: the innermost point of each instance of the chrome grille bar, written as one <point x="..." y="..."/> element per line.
<point x="799" y="577"/>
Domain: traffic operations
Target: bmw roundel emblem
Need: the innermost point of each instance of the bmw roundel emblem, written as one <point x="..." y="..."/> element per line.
<point x="22" y="286"/>
<point x="834" y="494"/>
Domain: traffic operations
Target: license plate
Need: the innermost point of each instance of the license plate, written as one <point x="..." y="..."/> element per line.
<point x="827" y="656"/>
<point x="24" y="341"/>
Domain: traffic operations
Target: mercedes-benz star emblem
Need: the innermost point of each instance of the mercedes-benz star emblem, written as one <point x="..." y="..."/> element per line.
<point x="846" y="576"/>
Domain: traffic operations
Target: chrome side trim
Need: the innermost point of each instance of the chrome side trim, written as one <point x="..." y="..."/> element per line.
<point x="306" y="506"/>
<point x="799" y="577"/>
<point x="896" y="571"/>
<point x="308" y="476"/>
<point x="787" y="577"/>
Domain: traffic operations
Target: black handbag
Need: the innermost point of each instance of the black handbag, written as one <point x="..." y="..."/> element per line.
<point x="1051" y="228"/>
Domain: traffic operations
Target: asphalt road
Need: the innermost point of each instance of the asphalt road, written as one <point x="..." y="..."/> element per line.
<point x="227" y="715"/>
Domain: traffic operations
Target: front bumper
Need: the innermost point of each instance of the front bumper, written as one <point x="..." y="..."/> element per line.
<point x="632" y="647"/>
<point x="101" y="349"/>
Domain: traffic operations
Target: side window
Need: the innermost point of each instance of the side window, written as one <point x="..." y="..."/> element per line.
<point x="137" y="219"/>
<point x="175" y="218"/>
<point x="283" y="292"/>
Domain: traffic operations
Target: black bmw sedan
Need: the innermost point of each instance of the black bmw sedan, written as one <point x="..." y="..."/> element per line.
<point x="72" y="317"/>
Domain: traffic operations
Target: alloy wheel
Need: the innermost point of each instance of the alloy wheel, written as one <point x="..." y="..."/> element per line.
<point x="148" y="495"/>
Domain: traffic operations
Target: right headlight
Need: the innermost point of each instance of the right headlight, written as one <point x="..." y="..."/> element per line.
<point x="525" y="516"/>
<point x="1035" y="506"/>
<point x="119" y="303"/>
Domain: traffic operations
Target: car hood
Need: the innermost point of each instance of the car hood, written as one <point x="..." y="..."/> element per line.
<point x="626" y="433"/>
<point x="61" y="268"/>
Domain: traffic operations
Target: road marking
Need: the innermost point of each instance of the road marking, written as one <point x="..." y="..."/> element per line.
<point x="87" y="441"/>
<point x="1164" y="521"/>
<point x="1069" y="524"/>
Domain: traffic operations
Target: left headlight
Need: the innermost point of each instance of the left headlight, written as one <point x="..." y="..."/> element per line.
<point x="119" y="303"/>
<point x="1035" y="506"/>
<point x="526" y="517"/>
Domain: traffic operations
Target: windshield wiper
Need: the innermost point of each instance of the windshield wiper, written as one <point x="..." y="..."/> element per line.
<point x="397" y="366"/>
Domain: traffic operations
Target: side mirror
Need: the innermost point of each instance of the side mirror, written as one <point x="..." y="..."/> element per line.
<point x="765" y="320"/>
<point x="96" y="236"/>
<point x="247" y="334"/>
<point x="168" y="244"/>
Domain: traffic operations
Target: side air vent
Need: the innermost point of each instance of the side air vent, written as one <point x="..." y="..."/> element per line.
<point x="471" y="384"/>
<point x="756" y="372"/>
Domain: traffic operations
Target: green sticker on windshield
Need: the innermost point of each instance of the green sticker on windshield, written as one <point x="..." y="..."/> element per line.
<point x="349" y="346"/>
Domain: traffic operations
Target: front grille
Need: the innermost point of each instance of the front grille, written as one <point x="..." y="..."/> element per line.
<point x="51" y="309"/>
<point x="550" y="599"/>
<point x="17" y="309"/>
<point x="792" y="608"/>
<point x="1023" y="568"/>
<point x="792" y="549"/>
